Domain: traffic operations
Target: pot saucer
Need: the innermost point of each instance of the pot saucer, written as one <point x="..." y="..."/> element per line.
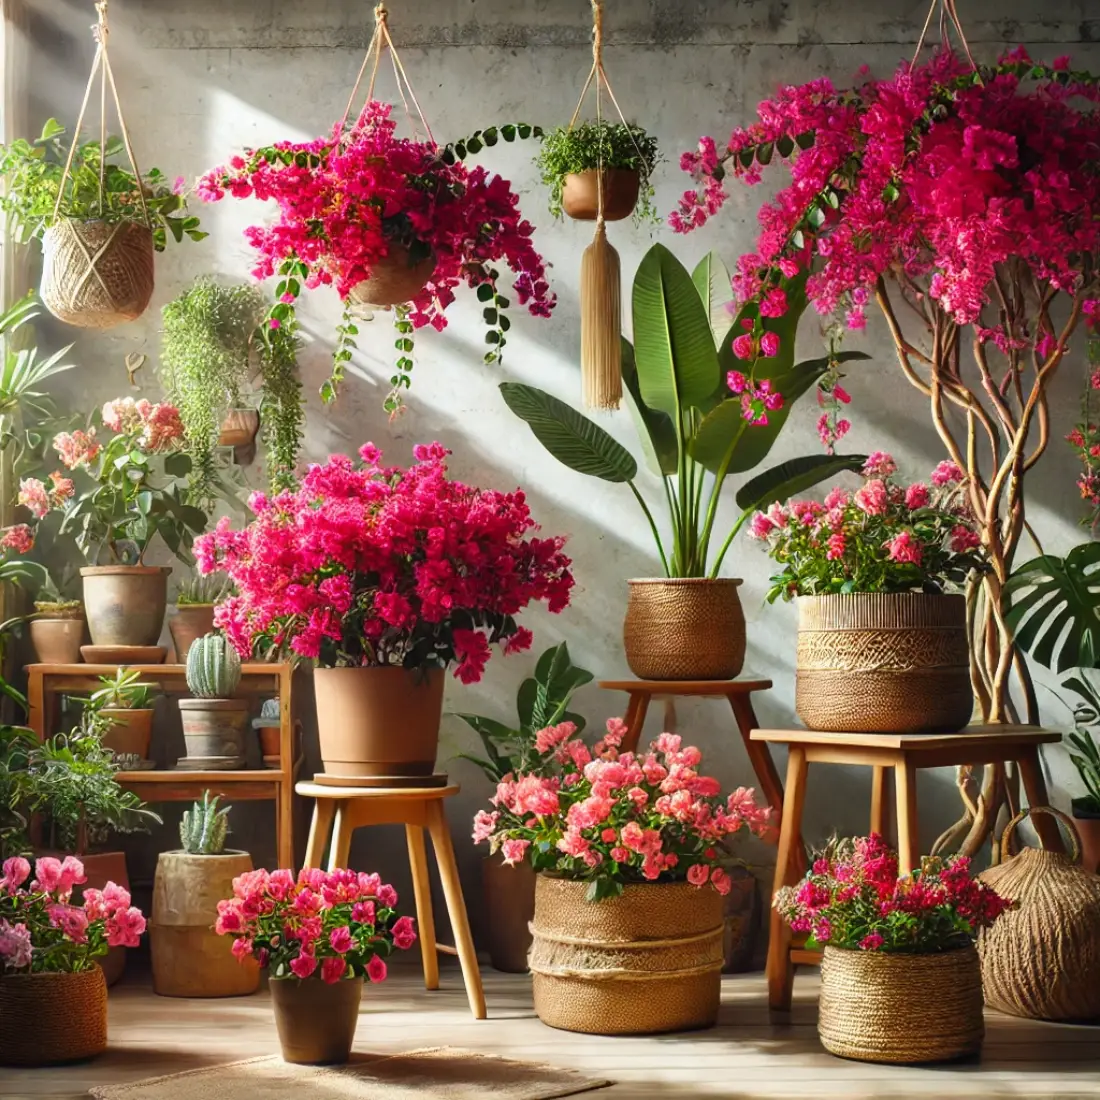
<point x="209" y="763"/>
<point x="274" y="762"/>
<point x="123" y="654"/>
<point x="439" y="779"/>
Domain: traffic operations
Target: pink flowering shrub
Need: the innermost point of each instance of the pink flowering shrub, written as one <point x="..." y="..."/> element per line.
<point x="612" y="818"/>
<point x="326" y="924"/>
<point x="43" y="932"/>
<point x="852" y="898"/>
<point x="349" y="200"/>
<point x="884" y="537"/>
<point x="376" y="565"/>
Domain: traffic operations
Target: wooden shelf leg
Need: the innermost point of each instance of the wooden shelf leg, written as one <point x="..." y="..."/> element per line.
<point x="636" y="710"/>
<point x="456" y="907"/>
<point x="36" y="708"/>
<point x="1035" y="787"/>
<point x="324" y="810"/>
<point x="425" y="919"/>
<point x="880" y="800"/>
<point x="341" y="838"/>
<point x="905" y="779"/>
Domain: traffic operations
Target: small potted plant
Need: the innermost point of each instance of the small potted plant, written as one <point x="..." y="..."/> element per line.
<point x="900" y="977"/>
<point x="57" y="627"/>
<point x="573" y="159"/>
<point x="194" y="615"/>
<point x="124" y="703"/>
<point x="53" y="997"/>
<point x="316" y="963"/>
<point x="214" y="722"/>
<point x="628" y="933"/>
<point x="189" y="958"/>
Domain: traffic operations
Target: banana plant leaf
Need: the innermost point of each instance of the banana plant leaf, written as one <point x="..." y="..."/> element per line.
<point x="712" y="280"/>
<point x="790" y="478"/>
<point x="656" y="432"/>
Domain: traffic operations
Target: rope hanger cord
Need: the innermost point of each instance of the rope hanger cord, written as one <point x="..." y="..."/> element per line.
<point x="381" y="40"/>
<point x="948" y="15"/>
<point x="101" y="65"/>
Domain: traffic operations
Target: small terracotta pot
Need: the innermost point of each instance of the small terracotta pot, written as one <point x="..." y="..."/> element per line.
<point x="379" y="721"/>
<point x="580" y="194"/>
<point x="239" y="428"/>
<point x="57" y="641"/>
<point x="50" y="1019"/>
<point x="1088" y="829"/>
<point x="215" y="727"/>
<point x="684" y="629"/>
<point x="125" y="604"/>
<point x="131" y="731"/>
<point x="101" y="868"/>
<point x="394" y="280"/>
<point x="269" y="741"/>
<point x="190" y="621"/>
<point x="316" y="1021"/>
<point x="509" y="894"/>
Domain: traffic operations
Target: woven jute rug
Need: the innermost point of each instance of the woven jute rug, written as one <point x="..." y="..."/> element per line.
<point x="444" y="1072"/>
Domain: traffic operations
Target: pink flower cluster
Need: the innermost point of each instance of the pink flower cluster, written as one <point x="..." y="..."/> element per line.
<point x="77" y="448"/>
<point x="615" y="817"/>
<point x="158" y="427"/>
<point x="332" y="924"/>
<point x="373" y="564"/>
<point x="757" y="398"/>
<point x="38" y="498"/>
<point x="18" y="538"/>
<point x="1085" y="436"/>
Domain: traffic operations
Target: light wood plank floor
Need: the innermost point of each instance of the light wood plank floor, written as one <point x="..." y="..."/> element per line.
<point x="745" y="1056"/>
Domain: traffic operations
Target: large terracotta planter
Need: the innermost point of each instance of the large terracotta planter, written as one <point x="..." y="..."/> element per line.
<point x="101" y="868"/>
<point x="886" y="663"/>
<point x="57" y="641"/>
<point x="131" y="731"/>
<point x="188" y="622"/>
<point x="125" y="604"/>
<point x="878" y="1007"/>
<point x="394" y="280"/>
<point x="509" y="894"/>
<point x="379" y="721"/>
<point x="316" y="1021"/>
<point x="1087" y="825"/>
<point x="684" y="629"/>
<point x="189" y="958"/>
<point x="580" y="194"/>
<point x="648" y="961"/>
<point x="50" y="1019"/>
<point x="215" y="728"/>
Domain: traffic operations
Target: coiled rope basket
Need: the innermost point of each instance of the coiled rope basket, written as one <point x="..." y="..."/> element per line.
<point x="1041" y="959"/>
<point x="648" y="961"/>
<point x="47" y="1019"/>
<point x="878" y="1007"/>
<point x="393" y="280"/>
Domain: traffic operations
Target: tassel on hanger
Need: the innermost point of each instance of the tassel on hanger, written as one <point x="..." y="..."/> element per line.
<point x="601" y="323"/>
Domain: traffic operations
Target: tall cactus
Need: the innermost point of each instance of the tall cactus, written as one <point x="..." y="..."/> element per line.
<point x="204" y="827"/>
<point x="213" y="668"/>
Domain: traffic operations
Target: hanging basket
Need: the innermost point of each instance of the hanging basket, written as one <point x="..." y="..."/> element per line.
<point x="394" y="280"/>
<point x="97" y="274"/>
<point x="1041" y="959"/>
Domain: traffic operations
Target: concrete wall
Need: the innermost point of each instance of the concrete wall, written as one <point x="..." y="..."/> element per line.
<point x="202" y="78"/>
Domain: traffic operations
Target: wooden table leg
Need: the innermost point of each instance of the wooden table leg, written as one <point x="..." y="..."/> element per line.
<point x="905" y="778"/>
<point x="456" y="907"/>
<point x="324" y="809"/>
<point x="36" y="711"/>
<point x="422" y="890"/>
<point x="636" y="709"/>
<point x="879" y="800"/>
<point x="341" y="837"/>
<point x="780" y="969"/>
<point x="1035" y="787"/>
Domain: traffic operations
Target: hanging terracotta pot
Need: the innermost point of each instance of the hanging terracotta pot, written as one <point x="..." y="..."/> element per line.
<point x="239" y="428"/>
<point x="580" y="194"/>
<point x="509" y="894"/>
<point x="379" y="721"/>
<point x="57" y="640"/>
<point x="684" y="629"/>
<point x="131" y="731"/>
<point x="188" y="622"/>
<point x="125" y="604"/>
<point x="316" y="1021"/>
<point x="50" y="1019"/>
<point x="394" y="280"/>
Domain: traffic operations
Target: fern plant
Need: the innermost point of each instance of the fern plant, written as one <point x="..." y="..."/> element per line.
<point x="204" y="827"/>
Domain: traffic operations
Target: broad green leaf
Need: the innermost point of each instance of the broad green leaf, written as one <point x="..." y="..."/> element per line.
<point x="712" y="280"/>
<point x="178" y="464"/>
<point x="790" y="478"/>
<point x="655" y="429"/>
<point x="573" y="439"/>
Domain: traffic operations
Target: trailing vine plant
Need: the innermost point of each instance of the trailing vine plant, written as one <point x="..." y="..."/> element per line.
<point x="281" y="412"/>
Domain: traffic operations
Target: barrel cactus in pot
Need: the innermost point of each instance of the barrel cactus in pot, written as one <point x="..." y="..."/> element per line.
<point x="214" y="723"/>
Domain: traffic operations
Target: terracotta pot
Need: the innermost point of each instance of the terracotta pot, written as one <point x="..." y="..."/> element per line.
<point x="190" y="621"/>
<point x="741" y="910"/>
<point x="684" y="629"/>
<point x="379" y="721"/>
<point x="1088" y="829"/>
<point x="394" y="280"/>
<point x="215" y="727"/>
<point x="189" y="958"/>
<point x="886" y="663"/>
<point x="509" y="894"/>
<point x="580" y="194"/>
<point x="125" y="604"/>
<point x="239" y="428"/>
<point x="269" y="741"/>
<point x="101" y="868"/>
<point x="57" y="641"/>
<point x="131" y="731"/>
<point x="49" y="1019"/>
<point x="316" y="1021"/>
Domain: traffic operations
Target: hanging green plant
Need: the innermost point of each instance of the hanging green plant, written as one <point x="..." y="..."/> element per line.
<point x="281" y="412"/>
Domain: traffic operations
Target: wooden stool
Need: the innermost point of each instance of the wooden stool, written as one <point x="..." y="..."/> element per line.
<point x="903" y="754"/>
<point x="417" y="808"/>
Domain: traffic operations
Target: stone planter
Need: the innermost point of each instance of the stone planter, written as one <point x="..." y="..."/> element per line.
<point x="50" y="1019"/>
<point x="125" y="604"/>
<point x="580" y="194"/>
<point x="57" y="641"/>
<point x="316" y="1021"/>
<point x="215" y="729"/>
<point x="509" y="894"/>
<point x="190" y="621"/>
<point x="131" y="731"/>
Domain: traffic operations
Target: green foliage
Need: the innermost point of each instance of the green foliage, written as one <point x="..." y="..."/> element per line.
<point x="281" y="412"/>
<point x="16" y="745"/>
<point x="480" y="139"/>
<point x="32" y="174"/>
<point x="204" y="827"/>
<point x="543" y="700"/>
<point x="204" y="588"/>
<point x="213" y="668"/>
<point x="123" y="691"/>
<point x="567" y="151"/>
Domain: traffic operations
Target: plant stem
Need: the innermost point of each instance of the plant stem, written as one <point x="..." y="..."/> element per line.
<point x="652" y="526"/>
<point x="729" y="540"/>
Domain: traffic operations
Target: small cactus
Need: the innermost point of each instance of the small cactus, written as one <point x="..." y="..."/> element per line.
<point x="204" y="827"/>
<point x="213" y="668"/>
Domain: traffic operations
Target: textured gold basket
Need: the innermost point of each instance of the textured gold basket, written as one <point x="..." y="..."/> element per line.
<point x="394" y="280"/>
<point x="47" y="1019"/>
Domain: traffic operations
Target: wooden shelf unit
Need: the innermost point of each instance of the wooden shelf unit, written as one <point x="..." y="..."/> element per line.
<point x="45" y="683"/>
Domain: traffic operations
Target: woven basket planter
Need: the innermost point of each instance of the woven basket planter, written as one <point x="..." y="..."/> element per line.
<point x="394" y="280"/>
<point x="879" y="1007"/>
<point x="97" y="274"/>
<point x="646" y="962"/>
<point x="47" y="1019"/>
<point x="1041" y="959"/>
<point x="888" y="663"/>
<point x="684" y="629"/>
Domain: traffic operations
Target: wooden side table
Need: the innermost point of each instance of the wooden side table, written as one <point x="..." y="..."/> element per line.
<point x="902" y="754"/>
<point x="345" y="809"/>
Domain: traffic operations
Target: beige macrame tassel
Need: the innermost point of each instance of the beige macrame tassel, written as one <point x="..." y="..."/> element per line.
<point x="601" y="324"/>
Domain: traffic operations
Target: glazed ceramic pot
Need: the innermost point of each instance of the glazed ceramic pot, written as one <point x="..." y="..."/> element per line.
<point x="316" y="1021"/>
<point x="125" y="604"/>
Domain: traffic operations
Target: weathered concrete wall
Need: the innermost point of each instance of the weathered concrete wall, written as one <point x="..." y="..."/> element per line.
<point x="203" y="78"/>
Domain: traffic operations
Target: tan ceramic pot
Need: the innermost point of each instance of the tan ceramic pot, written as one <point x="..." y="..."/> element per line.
<point x="131" y="731"/>
<point x="57" y="641"/>
<point x="394" y="280"/>
<point x="125" y="604"/>
<point x="51" y="1019"/>
<point x="379" y="721"/>
<point x="580" y="194"/>
<point x="509" y="894"/>
<point x="189" y="622"/>
<point x="316" y="1021"/>
<point x="215" y="727"/>
<point x="239" y="428"/>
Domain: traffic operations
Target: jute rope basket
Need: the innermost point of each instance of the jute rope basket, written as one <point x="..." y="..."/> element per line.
<point x="646" y="962"/>
<point x="878" y="1007"/>
<point x="1041" y="959"/>
<point x="47" y="1019"/>
<point x="393" y="281"/>
<point x="893" y="663"/>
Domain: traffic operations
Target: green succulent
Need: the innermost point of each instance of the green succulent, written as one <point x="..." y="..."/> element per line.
<point x="213" y="668"/>
<point x="204" y="827"/>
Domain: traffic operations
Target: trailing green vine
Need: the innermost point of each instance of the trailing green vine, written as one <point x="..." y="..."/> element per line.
<point x="281" y="412"/>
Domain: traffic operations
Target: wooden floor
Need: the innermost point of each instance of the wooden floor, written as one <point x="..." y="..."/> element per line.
<point x="746" y="1055"/>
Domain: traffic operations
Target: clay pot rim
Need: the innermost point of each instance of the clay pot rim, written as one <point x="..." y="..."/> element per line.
<point x="315" y="979"/>
<point x="229" y="853"/>
<point x="124" y="570"/>
<point x="214" y="704"/>
<point x="189" y="606"/>
<point x="731" y="581"/>
<point x="128" y="710"/>
<point x="391" y="669"/>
